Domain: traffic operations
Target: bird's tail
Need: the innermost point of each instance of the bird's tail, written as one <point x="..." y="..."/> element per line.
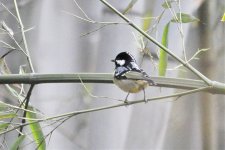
<point x="151" y="82"/>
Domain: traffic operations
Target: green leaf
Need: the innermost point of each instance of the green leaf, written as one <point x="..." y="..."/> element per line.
<point x="17" y="143"/>
<point x="22" y="69"/>
<point x="167" y="4"/>
<point x="36" y="130"/>
<point x="184" y="18"/>
<point x="163" y="57"/>
<point x="3" y="126"/>
<point x="6" y="116"/>
<point x="147" y="22"/>
<point x="3" y="107"/>
<point x="223" y="18"/>
<point x="129" y="7"/>
<point x="4" y="67"/>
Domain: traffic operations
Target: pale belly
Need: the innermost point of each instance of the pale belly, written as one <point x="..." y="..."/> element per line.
<point x="131" y="86"/>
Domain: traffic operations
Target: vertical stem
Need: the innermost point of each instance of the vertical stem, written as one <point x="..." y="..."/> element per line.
<point x="24" y="37"/>
<point x="182" y="31"/>
<point x="26" y="100"/>
<point x="207" y="66"/>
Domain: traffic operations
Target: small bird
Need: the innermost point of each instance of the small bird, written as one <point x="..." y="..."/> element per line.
<point x="128" y="76"/>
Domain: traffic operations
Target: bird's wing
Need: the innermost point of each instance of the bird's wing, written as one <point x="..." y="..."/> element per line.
<point x="139" y="75"/>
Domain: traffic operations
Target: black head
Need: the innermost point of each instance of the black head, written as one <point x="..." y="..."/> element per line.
<point x="123" y="59"/>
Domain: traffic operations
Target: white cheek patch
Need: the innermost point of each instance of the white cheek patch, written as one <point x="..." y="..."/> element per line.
<point x="120" y="62"/>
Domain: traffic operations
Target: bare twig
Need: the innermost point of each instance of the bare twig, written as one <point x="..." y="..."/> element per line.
<point x="90" y="20"/>
<point x="7" y="45"/>
<point x="8" y="31"/>
<point x="26" y="100"/>
<point x="180" y="26"/>
<point x="10" y="12"/>
<point x="74" y="113"/>
<point x="94" y="96"/>
<point x="24" y="37"/>
<point x="193" y="57"/>
<point x="95" y="30"/>
<point x="10" y="51"/>
<point x="83" y="12"/>
<point x="18" y="108"/>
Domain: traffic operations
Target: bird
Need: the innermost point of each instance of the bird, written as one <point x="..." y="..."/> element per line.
<point x="128" y="76"/>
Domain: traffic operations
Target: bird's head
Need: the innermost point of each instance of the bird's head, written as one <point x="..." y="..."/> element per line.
<point x="123" y="59"/>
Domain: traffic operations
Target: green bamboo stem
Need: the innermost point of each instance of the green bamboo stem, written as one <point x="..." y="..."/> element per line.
<point x="179" y="83"/>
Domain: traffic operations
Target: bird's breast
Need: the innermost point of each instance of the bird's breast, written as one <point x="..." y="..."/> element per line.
<point x="132" y="86"/>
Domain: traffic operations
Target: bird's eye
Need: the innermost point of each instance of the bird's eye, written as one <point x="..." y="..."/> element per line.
<point x="120" y="62"/>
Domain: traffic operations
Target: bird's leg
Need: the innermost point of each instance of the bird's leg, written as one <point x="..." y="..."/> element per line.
<point x="144" y="96"/>
<point x="125" y="101"/>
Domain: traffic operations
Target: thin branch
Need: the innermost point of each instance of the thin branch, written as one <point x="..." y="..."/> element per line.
<point x="10" y="51"/>
<point x="193" y="57"/>
<point x="18" y="108"/>
<point x="94" y="96"/>
<point x="83" y="12"/>
<point x="90" y="20"/>
<point x="8" y="31"/>
<point x="24" y="37"/>
<point x="10" y="12"/>
<point x="59" y="121"/>
<point x="26" y="100"/>
<point x="12" y="37"/>
<point x="128" y="103"/>
<point x="74" y="113"/>
<point x="95" y="30"/>
<point x="182" y="32"/>
<point x="7" y="45"/>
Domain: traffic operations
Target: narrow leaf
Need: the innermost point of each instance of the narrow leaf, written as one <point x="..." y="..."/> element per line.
<point x="36" y="131"/>
<point x="6" y="116"/>
<point x="22" y="69"/>
<point x="167" y="4"/>
<point x="147" y="22"/>
<point x="129" y="7"/>
<point x="18" y="142"/>
<point x="3" y="126"/>
<point x="184" y="18"/>
<point x="223" y="18"/>
<point x="3" y="107"/>
<point x="163" y="57"/>
<point x="4" y="67"/>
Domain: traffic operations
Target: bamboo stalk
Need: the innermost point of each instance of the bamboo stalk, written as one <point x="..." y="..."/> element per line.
<point x="179" y="83"/>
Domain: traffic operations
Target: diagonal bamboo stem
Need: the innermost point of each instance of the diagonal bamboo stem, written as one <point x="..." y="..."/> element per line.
<point x="186" y="64"/>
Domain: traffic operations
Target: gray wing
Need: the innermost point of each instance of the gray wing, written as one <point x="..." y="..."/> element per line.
<point x="139" y="75"/>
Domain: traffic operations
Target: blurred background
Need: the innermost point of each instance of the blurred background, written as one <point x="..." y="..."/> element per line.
<point x="60" y="42"/>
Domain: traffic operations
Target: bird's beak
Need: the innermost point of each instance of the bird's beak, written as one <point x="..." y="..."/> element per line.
<point x="112" y="60"/>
